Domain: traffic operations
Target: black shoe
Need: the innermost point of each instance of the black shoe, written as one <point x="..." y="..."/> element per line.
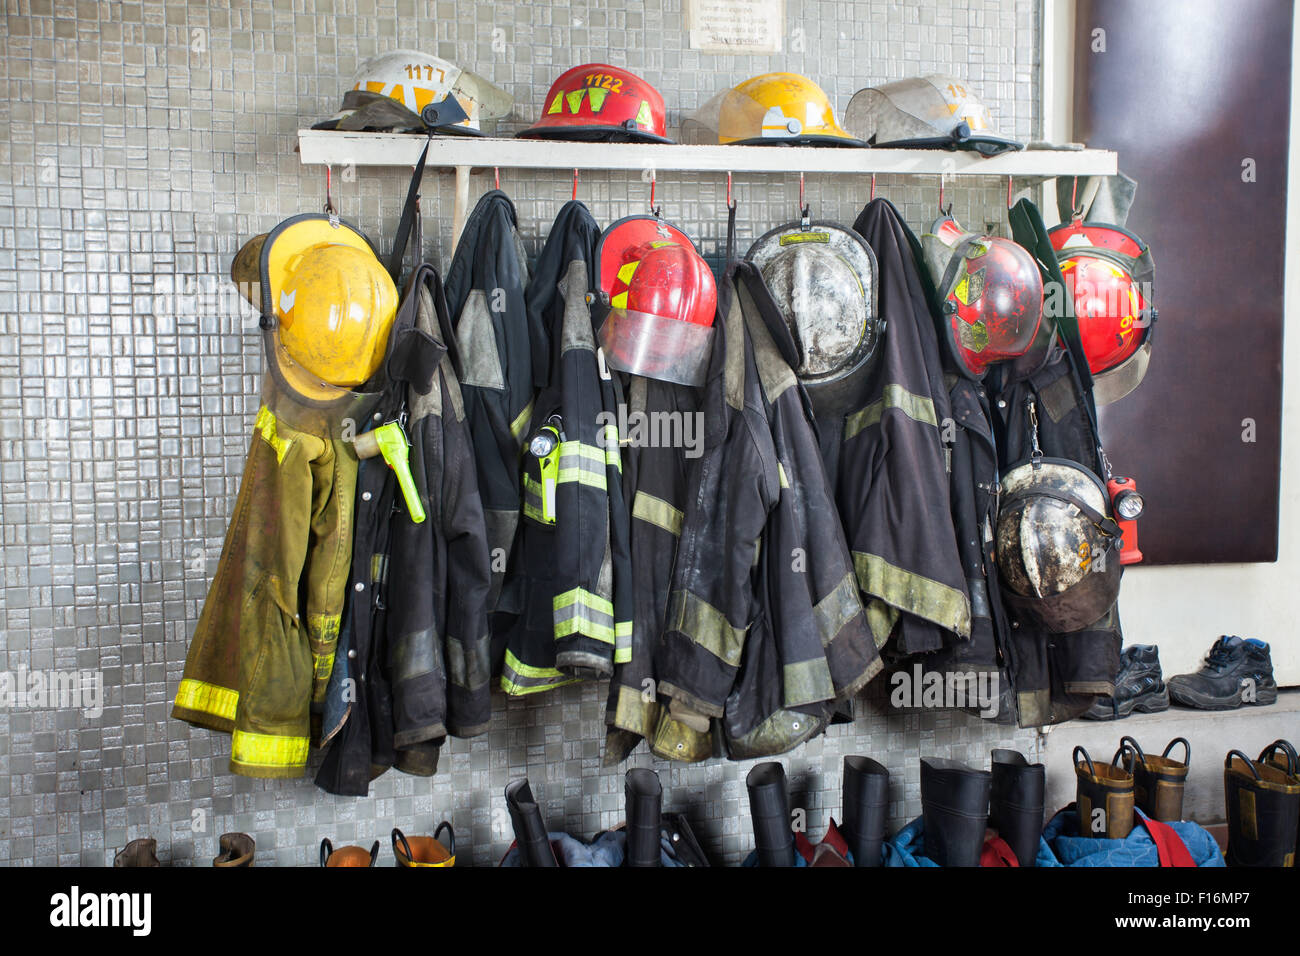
<point x="1139" y="686"/>
<point x="1235" y="672"/>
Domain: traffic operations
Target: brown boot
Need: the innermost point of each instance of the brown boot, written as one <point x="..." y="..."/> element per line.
<point x="138" y="853"/>
<point x="236" y="850"/>
<point x="1158" y="782"/>
<point x="1105" y="797"/>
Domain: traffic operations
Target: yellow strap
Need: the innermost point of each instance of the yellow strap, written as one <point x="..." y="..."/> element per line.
<point x="915" y="407"/>
<point x="657" y="512"/>
<point x="207" y="698"/>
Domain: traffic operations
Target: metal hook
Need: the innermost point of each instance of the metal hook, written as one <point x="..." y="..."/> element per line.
<point x="653" y="211"/>
<point x="575" y="183"/>
<point x="942" y="211"/>
<point x="873" y="185"/>
<point x="731" y="203"/>
<point x="805" y="221"/>
<point x="1010" y="180"/>
<point x="329" y="199"/>
<point x="496" y="176"/>
<point x="1075" y="212"/>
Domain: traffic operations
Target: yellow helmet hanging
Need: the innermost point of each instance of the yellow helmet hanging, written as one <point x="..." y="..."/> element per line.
<point x="772" y="109"/>
<point x="332" y="302"/>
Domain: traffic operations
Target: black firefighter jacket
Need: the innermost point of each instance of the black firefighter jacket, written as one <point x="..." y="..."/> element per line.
<point x="414" y="657"/>
<point x="765" y="628"/>
<point x="893" y="489"/>
<point x="485" y="294"/>
<point x="575" y="571"/>
<point x="1055" y="676"/>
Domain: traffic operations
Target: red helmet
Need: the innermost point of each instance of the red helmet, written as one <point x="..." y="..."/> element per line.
<point x="662" y="301"/>
<point x="990" y="293"/>
<point x="599" y="102"/>
<point x="1108" y="272"/>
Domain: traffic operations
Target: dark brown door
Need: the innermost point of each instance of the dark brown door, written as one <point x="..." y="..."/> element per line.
<point x="1195" y="97"/>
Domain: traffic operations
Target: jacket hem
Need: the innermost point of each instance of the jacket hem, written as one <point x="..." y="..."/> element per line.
<point x="705" y="707"/>
<point x="407" y="738"/>
<point x="466" y="730"/>
<point x="861" y="681"/>
<point x="268" y="773"/>
<point x="584" y="665"/>
<point x="200" y="719"/>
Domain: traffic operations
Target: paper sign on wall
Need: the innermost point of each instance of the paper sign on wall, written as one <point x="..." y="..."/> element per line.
<point x="736" y="26"/>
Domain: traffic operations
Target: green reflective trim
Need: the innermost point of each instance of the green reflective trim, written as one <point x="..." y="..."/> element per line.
<point x="535" y="501"/>
<point x="520" y="424"/>
<point x="705" y="625"/>
<point x="657" y="512"/>
<point x="911" y="592"/>
<point x="583" y="464"/>
<point x="518" y="678"/>
<point x="580" y="612"/>
<point x="613" y="452"/>
<point x="837" y="609"/>
<point x="914" y="406"/>
<point x="807" y="682"/>
<point x="780" y="471"/>
<point x="622" y="642"/>
<point x="881" y="618"/>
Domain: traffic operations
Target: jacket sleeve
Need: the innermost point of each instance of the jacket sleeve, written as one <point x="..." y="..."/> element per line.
<point x="466" y="639"/>
<point x="735" y="485"/>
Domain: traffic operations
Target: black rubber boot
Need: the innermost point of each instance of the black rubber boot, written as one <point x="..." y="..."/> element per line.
<point x="955" y="807"/>
<point x="1105" y="797"/>
<point x="644" y="797"/>
<point x="1139" y="686"/>
<point x="1016" y="807"/>
<point x="769" y="806"/>
<point x="1235" y="672"/>
<point x="1263" y="802"/>
<point x="1158" y="782"/>
<point x="865" y="796"/>
<point x="530" y="828"/>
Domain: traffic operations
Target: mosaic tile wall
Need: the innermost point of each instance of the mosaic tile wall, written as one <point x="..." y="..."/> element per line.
<point x="140" y="144"/>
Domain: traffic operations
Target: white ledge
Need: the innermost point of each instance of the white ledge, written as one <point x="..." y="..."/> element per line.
<point x="332" y="148"/>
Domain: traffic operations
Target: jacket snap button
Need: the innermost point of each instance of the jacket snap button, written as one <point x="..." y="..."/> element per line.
<point x="1002" y="403"/>
<point x="681" y="746"/>
<point x="365" y="496"/>
<point x="360" y="586"/>
<point x="796" y="725"/>
<point x="352" y="653"/>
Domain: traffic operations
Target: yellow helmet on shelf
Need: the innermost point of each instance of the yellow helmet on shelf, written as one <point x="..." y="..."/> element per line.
<point x="771" y="109"/>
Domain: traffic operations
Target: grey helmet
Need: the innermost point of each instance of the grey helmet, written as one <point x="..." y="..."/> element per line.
<point x="925" y="112"/>
<point x="1057" y="544"/>
<point x="823" y="278"/>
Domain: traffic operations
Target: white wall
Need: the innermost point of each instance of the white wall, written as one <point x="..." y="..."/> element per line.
<point x="1183" y="609"/>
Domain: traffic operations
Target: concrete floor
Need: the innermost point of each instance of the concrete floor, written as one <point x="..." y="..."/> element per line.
<point x="1211" y="734"/>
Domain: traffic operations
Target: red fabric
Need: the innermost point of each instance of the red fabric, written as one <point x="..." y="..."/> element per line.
<point x="998" y="853"/>
<point x="1169" y="845"/>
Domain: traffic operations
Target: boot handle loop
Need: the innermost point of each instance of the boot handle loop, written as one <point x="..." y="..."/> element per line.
<point x="1187" y="748"/>
<point x="1127" y="743"/>
<point x="326" y="850"/>
<point x="374" y="853"/>
<point x="450" y="833"/>
<point x="1092" y="771"/>
<point x="1286" y="748"/>
<point x="400" y="837"/>
<point x="1227" y="762"/>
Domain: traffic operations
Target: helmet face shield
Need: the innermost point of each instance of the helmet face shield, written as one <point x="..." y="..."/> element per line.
<point x="935" y="112"/>
<point x="772" y="109"/>
<point x="389" y="92"/>
<point x="823" y="279"/>
<point x="597" y="102"/>
<point x="661" y="298"/>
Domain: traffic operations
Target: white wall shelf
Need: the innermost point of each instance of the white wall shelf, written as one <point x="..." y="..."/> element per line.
<point x="326" y="147"/>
